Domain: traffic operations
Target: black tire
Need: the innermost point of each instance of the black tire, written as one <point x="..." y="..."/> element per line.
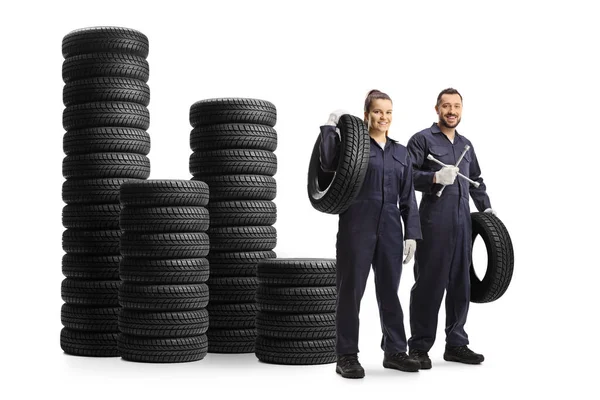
<point x="90" y="293"/>
<point x="233" y="110"/>
<point x="89" y="344"/>
<point x="232" y="289"/>
<point x="297" y="272"/>
<point x="96" y="65"/>
<point x="296" y="327"/>
<point x="112" y="39"/>
<point x="236" y="264"/>
<point x="242" y="213"/>
<point x="92" y="191"/>
<point x="240" y="187"/>
<point x="156" y="192"/>
<point x="163" y="297"/>
<point x="333" y="193"/>
<point x="162" y="350"/>
<point x="94" y="319"/>
<point x="233" y="136"/>
<point x="106" y="165"/>
<point x="500" y="258"/>
<point x="164" y="219"/>
<point x="232" y="316"/>
<point x="91" y="217"/>
<point x="89" y="115"/>
<point x="167" y="272"/>
<point x="99" y="268"/>
<point x="242" y="238"/>
<point x="164" y="245"/>
<point x="106" y="140"/>
<point x="296" y="300"/>
<point x="305" y="352"/>
<point x="231" y="340"/>
<point x="233" y="161"/>
<point x="163" y="324"/>
<point x="106" y="89"/>
<point x="91" y="242"/>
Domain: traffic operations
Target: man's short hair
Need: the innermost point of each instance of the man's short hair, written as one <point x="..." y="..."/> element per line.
<point x="447" y="91"/>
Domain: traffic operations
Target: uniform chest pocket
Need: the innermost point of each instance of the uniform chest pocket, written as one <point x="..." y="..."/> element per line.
<point x="400" y="165"/>
<point x="440" y="153"/>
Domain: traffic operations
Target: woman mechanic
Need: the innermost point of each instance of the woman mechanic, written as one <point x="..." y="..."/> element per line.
<point x="370" y="233"/>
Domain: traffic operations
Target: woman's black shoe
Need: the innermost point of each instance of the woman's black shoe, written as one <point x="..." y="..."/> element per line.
<point x="349" y="367"/>
<point x="400" y="361"/>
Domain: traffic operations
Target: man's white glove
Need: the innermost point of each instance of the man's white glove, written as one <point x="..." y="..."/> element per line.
<point x="334" y="117"/>
<point x="410" y="246"/>
<point x="446" y="175"/>
<point x="489" y="210"/>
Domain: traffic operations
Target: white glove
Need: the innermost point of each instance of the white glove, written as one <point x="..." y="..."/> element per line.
<point x="334" y="117"/>
<point x="410" y="245"/>
<point x="489" y="210"/>
<point x="446" y="175"/>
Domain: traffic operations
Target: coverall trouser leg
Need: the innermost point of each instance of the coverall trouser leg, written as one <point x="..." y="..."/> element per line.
<point x="442" y="262"/>
<point x="387" y="266"/>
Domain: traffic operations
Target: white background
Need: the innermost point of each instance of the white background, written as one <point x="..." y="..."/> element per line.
<point x="528" y="72"/>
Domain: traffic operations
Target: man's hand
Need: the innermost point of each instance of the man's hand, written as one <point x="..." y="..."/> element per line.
<point x="446" y="175"/>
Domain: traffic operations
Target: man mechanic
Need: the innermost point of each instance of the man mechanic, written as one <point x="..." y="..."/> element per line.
<point x="443" y="257"/>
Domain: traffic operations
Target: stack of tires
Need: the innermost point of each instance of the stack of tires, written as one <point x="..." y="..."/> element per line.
<point x="296" y="319"/>
<point x="105" y="73"/>
<point x="164" y="270"/>
<point x="233" y="142"/>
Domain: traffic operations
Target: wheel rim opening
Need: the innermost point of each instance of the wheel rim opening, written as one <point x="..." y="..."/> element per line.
<point x="480" y="257"/>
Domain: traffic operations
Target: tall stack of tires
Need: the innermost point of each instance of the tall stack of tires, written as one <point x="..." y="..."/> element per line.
<point x="105" y="94"/>
<point x="163" y="318"/>
<point x="233" y="142"/>
<point x="296" y="319"/>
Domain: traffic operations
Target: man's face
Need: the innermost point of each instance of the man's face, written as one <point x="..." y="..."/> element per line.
<point x="449" y="110"/>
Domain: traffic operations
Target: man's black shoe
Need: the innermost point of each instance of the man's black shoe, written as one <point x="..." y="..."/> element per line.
<point x="462" y="354"/>
<point x="349" y="367"/>
<point x="421" y="357"/>
<point x="400" y="361"/>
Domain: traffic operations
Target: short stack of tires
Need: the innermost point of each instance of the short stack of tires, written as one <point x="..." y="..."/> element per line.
<point x="163" y="295"/>
<point x="296" y="300"/>
<point x="105" y="73"/>
<point x="233" y="142"/>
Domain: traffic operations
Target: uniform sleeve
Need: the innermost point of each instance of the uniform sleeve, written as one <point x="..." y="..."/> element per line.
<point x="479" y="195"/>
<point x="329" y="148"/>
<point x="408" y="205"/>
<point x="423" y="179"/>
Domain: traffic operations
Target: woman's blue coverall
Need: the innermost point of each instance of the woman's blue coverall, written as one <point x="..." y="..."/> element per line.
<point x="370" y="233"/>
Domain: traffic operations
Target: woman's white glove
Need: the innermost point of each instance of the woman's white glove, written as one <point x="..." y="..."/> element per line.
<point x="446" y="175"/>
<point x="410" y="246"/>
<point x="334" y="117"/>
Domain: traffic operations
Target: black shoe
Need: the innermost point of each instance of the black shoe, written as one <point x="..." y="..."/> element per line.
<point x="462" y="354"/>
<point x="421" y="357"/>
<point x="400" y="361"/>
<point x="349" y="367"/>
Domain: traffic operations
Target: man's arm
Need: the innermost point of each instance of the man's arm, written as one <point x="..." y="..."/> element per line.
<point x="479" y="195"/>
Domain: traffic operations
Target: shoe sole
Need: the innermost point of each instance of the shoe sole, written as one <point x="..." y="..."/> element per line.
<point x="425" y="365"/>
<point x="462" y="361"/>
<point x="404" y="369"/>
<point x="355" y="375"/>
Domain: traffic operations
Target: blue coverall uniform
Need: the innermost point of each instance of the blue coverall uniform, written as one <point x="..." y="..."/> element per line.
<point x="370" y="232"/>
<point x="443" y="257"/>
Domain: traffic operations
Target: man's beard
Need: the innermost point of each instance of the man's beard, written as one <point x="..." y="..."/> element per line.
<point x="447" y="125"/>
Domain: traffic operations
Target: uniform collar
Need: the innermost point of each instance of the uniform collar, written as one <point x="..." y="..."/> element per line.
<point x="387" y="141"/>
<point x="435" y="128"/>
